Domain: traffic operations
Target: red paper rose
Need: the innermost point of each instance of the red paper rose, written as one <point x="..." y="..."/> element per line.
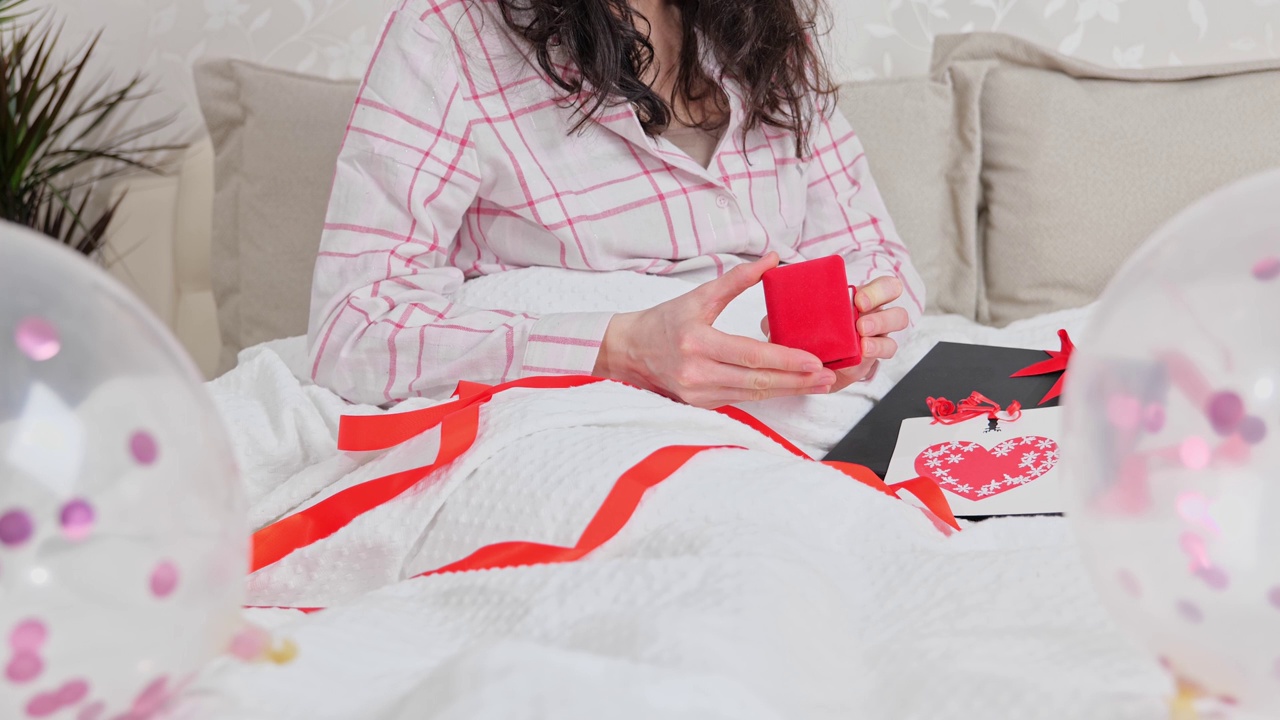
<point x="941" y="407"/>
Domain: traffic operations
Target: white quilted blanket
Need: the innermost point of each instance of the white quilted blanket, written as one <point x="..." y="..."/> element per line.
<point x="748" y="585"/>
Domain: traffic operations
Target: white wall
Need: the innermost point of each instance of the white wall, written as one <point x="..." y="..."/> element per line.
<point x="870" y="38"/>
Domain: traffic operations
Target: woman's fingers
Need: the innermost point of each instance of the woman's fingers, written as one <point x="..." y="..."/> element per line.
<point x="883" y="322"/>
<point x="733" y="396"/>
<point x="712" y="384"/>
<point x="768" y="381"/>
<point x="748" y="353"/>
<point x="876" y="293"/>
<point x="879" y="348"/>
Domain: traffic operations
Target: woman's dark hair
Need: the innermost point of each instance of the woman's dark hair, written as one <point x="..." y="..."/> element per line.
<point x="766" y="46"/>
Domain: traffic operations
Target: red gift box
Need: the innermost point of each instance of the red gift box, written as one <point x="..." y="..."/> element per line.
<point x="810" y="306"/>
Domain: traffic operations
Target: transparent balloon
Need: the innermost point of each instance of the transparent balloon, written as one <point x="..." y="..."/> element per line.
<point x="123" y="532"/>
<point x="1171" y="445"/>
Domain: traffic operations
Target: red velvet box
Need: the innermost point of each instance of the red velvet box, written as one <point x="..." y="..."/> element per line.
<point x="810" y="306"/>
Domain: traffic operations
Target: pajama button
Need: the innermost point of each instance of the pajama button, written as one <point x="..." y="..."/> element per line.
<point x="722" y="201"/>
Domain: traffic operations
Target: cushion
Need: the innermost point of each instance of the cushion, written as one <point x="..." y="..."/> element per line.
<point x="922" y="146"/>
<point x="276" y="138"/>
<point x="1080" y="164"/>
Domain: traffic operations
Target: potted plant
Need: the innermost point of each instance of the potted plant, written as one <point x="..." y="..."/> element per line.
<point x="60" y="132"/>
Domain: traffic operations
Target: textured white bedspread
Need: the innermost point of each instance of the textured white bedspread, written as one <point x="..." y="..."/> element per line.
<point x="748" y="585"/>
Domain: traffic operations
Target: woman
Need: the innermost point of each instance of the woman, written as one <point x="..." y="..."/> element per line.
<point x="691" y="138"/>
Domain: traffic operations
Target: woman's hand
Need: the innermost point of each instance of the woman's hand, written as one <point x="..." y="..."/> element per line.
<point x="875" y="322"/>
<point x="672" y="349"/>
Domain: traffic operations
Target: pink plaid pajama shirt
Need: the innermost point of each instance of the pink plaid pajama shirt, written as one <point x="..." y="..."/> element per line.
<point x="458" y="162"/>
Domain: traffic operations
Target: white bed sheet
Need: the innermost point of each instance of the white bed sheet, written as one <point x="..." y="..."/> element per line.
<point x="748" y="585"/>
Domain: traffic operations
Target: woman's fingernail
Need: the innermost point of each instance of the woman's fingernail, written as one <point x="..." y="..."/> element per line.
<point x="826" y="377"/>
<point x="811" y="366"/>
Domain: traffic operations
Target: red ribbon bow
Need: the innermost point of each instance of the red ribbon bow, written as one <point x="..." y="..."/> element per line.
<point x="1057" y="362"/>
<point x="946" y="412"/>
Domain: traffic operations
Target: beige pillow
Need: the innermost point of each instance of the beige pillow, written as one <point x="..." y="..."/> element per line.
<point x="1080" y="164"/>
<point x="276" y="138"/>
<point x="923" y="151"/>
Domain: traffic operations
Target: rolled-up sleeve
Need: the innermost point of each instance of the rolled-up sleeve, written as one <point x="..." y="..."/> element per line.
<point x="382" y="325"/>
<point x="846" y="216"/>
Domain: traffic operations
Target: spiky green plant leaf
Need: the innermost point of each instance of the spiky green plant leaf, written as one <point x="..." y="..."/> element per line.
<point x="57" y="132"/>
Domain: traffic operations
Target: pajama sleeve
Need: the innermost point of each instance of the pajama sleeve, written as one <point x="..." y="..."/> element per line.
<point x="846" y="216"/>
<point x="382" y="325"/>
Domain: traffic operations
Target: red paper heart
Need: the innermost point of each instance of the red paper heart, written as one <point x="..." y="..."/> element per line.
<point x="973" y="472"/>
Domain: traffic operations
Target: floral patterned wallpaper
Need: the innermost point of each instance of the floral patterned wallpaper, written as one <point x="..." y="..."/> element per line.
<point x="868" y="38"/>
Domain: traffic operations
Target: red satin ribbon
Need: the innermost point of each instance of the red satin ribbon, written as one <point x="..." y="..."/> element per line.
<point x="458" y="421"/>
<point x="946" y="412"/>
<point x="1057" y="362"/>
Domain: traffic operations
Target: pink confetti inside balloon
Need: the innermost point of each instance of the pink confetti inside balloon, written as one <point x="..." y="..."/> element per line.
<point x="77" y="519"/>
<point x="1195" y="453"/>
<point x="1154" y="418"/>
<point x="164" y="579"/>
<point x="249" y="644"/>
<point x="37" y="339"/>
<point x="1189" y="329"/>
<point x="73" y="692"/>
<point x="1124" y="412"/>
<point x="1268" y="268"/>
<point x="124" y="537"/>
<point x="43" y="705"/>
<point x="29" y="634"/>
<point x="143" y="447"/>
<point x="1226" y="410"/>
<point x="1190" y="612"/>
<point x="24" y="667"/>
<point x="152" y="698"/>
<point x="1253" y="430"/>
<point x="1215" y="577"/>
<point x="46" y="704"/>
<point x="15" y="527"/>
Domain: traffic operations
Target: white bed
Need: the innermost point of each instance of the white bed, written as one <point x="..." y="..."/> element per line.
<point x="751" y="584"/>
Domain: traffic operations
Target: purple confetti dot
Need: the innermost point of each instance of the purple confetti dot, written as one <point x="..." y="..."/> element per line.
<point x="1215" y="577"/>
<point x="1273" y="597"/>
<point x="164" y="579"/>
<point x="1195" y="453"/>
<point x="37" y="339"/>
<point x="1226" y="410"/>
<point x="1154" y="418"/>
<point x="24" y="667"/>
<point x="77" y="519"/>
<point x="1268" y="268"/>
<point x="143" y="447"/>
<point x="1190" y="612"/>
<point x="15" y="527"/>
<point x="29" y="634"/>
<point x="1253" y="430"/>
